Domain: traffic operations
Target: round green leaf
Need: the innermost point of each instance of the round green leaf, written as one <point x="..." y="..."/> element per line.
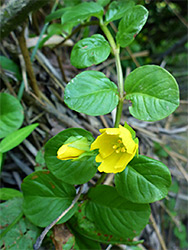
<point x="153" y="92"/>
<point x="80" y="224"/>
<point x="11" y="114"/>
<point x="131" y="24"/>
<point x="82" y="12"/>
<point x="144" y="180"/>
<point x="74" y="172"/>
<point x="46" y="197"/>
<point x="91" y="93"/>
<point x="15" y="138"/>
<point x="117" y="10"/>
<point x="114" y="214"/>
<point x="89" y="51"/>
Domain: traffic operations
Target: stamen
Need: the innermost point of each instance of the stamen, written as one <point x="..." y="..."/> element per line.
<point x="119" y="141"/>
<point x="114" y="147"/>
<point x="117" y="151"/>
<point x="123" y="150"/>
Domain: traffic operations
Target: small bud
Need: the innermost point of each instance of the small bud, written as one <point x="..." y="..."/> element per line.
<point x="73" y="148"/>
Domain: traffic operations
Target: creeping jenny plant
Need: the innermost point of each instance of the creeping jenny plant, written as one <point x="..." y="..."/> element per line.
<point x="104" y="214"/>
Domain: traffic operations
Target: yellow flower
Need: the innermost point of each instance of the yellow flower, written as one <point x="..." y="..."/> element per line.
<point x="116" y="149"/>
<point x="73" y="148"/>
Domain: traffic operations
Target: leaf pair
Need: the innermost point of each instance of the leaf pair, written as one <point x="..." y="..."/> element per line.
<point x="152" y="90"/>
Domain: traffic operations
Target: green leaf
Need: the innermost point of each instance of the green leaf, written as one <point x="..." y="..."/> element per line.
<point x="16" y="137"/>
<point x="81" y="12"/>
<point x="11" y="114"/>
<point x="131" y="24"/>
<point x="117" y="9"/>
<point x="89" y="51"/>
<point x="9" y="193"/>
<point x="11" y="66"/>
<point x="40" y="162"/>
<point x="103" y="2"/>
<point x="46" y="197"/>
<point x="153" y="92"/>
<point x="115" y="215"/>
<point x="10" y="210"/>
<point x="144" y="180"/>
<point x="16" y="232"/>
<point x="56" y="14"/>
<point x="85" y="243"/>
<point x="81" y="224"/>
<point x="74" y="172"/>
<point x="71" y="3"/>
<point x="91" y="93"/>
<point x="55" y="29"/>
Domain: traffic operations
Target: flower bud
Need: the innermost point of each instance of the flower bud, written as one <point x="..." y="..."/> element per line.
<point x="73" y="148"/>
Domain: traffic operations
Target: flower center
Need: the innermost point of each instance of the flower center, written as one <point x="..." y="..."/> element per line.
<point x="119" y="147"/>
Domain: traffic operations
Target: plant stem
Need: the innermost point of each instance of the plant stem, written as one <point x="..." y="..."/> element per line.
<point x="109" y="36"/>
<point x="101" y="179"/>
<point x="118" y="113"/>
<point x="116" y="52"/>
<point x="119" y="73"/>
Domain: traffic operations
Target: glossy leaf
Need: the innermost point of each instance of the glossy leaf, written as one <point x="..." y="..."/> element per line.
<point x="16" y="137"/>
<point x="82" y="12"/>
<point x="73" y="172"/>
<point x="131" y="24"/>
<point x="11" y="114"/>
<point x="85" y="243"/>
<point x="9" y="193"/>
<point x="56" y="14"/>
<point x="103" y="2"/>
<point x="117" y="9"/>
<point x="153" y="92"/>
<point x="11" y="66"/>
<point x="89" y="51"/>
<point x="81" y="224"/>
<point x="46" y="197"/>
<point x="144" y="180"/>
<point x="91" y="93"/>
<point x="71" y="3"/>
<point x="115" y="215"/>
<point x="16" y="232"/>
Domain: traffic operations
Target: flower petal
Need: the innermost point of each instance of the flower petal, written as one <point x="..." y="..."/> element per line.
<point x="110" y="131"/>
<point x="127" y="140"/>
<point x="105" y="144"/>
<point x="109" y="163"/>
<point x="124" y="159"/>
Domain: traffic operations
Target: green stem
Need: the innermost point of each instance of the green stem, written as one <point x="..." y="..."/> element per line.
<point x="116" y="52"/>
<point x="119" y="74"/>
<point x="118" y="113"/>
<point x="101" y="179"/>
<point x="109" y="37"/>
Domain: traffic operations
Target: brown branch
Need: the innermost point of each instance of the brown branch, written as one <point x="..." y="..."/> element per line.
<point x="29" y="68"/>
<point x="163" y="245"/>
